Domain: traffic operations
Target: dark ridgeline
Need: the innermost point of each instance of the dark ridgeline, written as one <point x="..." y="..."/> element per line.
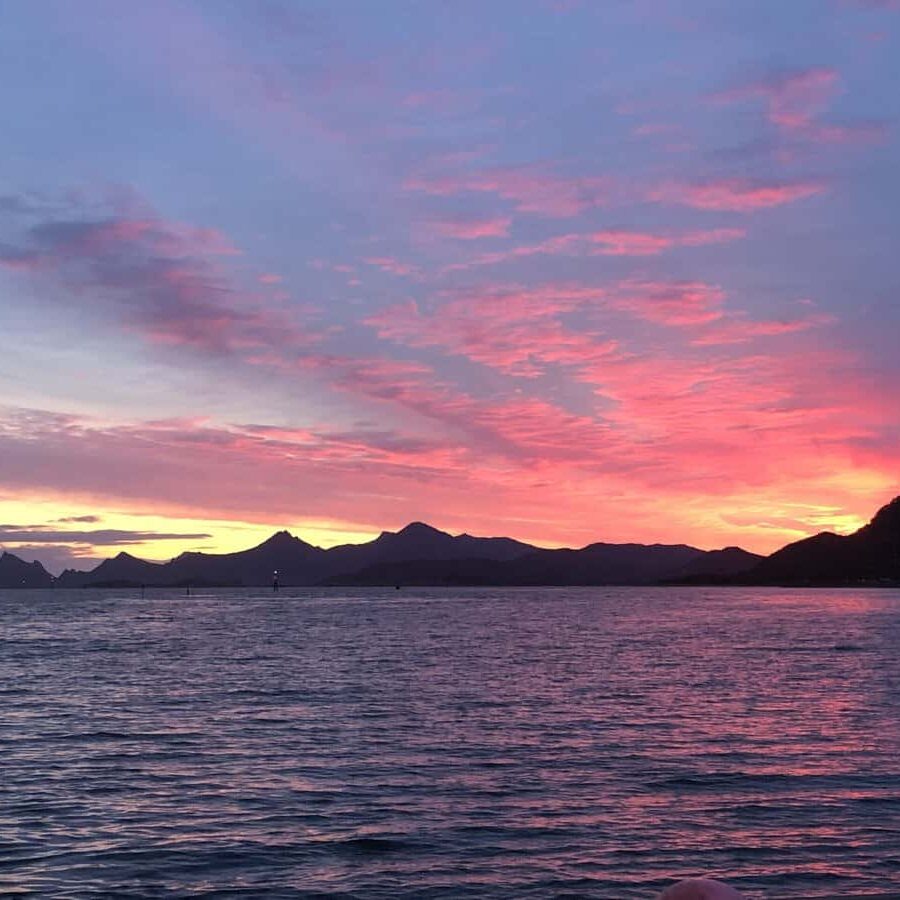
<point x="422" y="555"/>
<point x="297" y="562"/>
<point x="594" y="564"/>
<point x="416" y="555"/>
<point x="728" y="562"/>
<point x="869" y="556"/>
<point x="16" y="573"/>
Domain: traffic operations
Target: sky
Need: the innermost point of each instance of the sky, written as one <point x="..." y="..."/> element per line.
<point x="564" y="271"/>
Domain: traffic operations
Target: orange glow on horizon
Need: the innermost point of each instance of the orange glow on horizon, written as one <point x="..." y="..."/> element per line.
<point x="763" y="528"/>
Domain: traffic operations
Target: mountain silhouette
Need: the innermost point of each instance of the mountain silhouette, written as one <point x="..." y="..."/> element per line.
<point x="870" y="555"/>
<point x="716" y="565"/>
<point x="291" y="557"/>
<point x="296" y="562"/>
<point x="417" y="554"/>
<point x="420" y="554"/>
<point x="595" y="564"/>
<point x="122" y="570"/>
<point x="607" y="564"/>
<point x="417" y="541"/>
<point x="16" y="573"/>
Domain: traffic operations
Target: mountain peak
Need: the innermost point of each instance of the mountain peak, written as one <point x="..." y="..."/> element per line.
<point x="887" y="519"/>
<point x="421" y="529"/>
<point x="15" y="572"/>
<point x="284" y="542"/>
<point x="413" y="533"/>
<point x="283" y="537"/>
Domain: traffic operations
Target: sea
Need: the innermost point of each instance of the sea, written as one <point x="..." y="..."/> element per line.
<point x="475" y="743"/>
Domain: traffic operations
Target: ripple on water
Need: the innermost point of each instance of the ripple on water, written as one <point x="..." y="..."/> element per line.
<point x="489" y="744"/>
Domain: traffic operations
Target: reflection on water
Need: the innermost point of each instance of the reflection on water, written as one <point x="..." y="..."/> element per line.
<point x="490" y="744"/>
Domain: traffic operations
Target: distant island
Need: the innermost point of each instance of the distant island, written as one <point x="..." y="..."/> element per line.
<point x="419" y="555"/>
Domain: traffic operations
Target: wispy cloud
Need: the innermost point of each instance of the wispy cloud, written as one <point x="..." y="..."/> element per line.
<point x="534" y="189"/>
<point x="739" y="329"/>
<point x="673" y="303"/>
<point x="794" y="102"/>
<point x="736" y="194"/>
<point x="608" y="242"/>
<point x="468" y="228"/>
<point x="514" y="331"/>
<point x="160" y="279"/>
<point x="108" y="537"/>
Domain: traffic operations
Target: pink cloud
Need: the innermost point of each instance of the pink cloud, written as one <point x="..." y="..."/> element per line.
<point x="468" y="229"/>
<point x="361" y="475"/>
<point x="794" y="101"/>
<point x="526" y="430"/>
<point x="530" y="189"/>
<point x="512" y="331"/>
<point x="699" y="409"/>
<point x="609" y="242"/>
<point x="680" y="445"/>
<point x="182" y="299"/>
<point x="635" y="243"/>
<point x="159" y="279"/>
<point x="736" y="194"/>
<point x="670" y="303"/>
<point x="739" y="330"/>
<point x="391" y="265"/>
<point x="519" y="331"/>
<point x="209" y="456"/>
<point x="664" y="425"/>
<point x="629" y="243"/>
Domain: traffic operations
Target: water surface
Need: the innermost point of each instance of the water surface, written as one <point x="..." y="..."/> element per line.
<point x="591" y="743"/>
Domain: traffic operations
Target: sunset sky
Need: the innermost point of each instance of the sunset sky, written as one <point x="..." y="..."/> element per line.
<point x="619" y="270"/>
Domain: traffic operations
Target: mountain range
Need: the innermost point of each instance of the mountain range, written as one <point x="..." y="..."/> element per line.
<point x="870" y="555"/>
<point x="421" y="555"/>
